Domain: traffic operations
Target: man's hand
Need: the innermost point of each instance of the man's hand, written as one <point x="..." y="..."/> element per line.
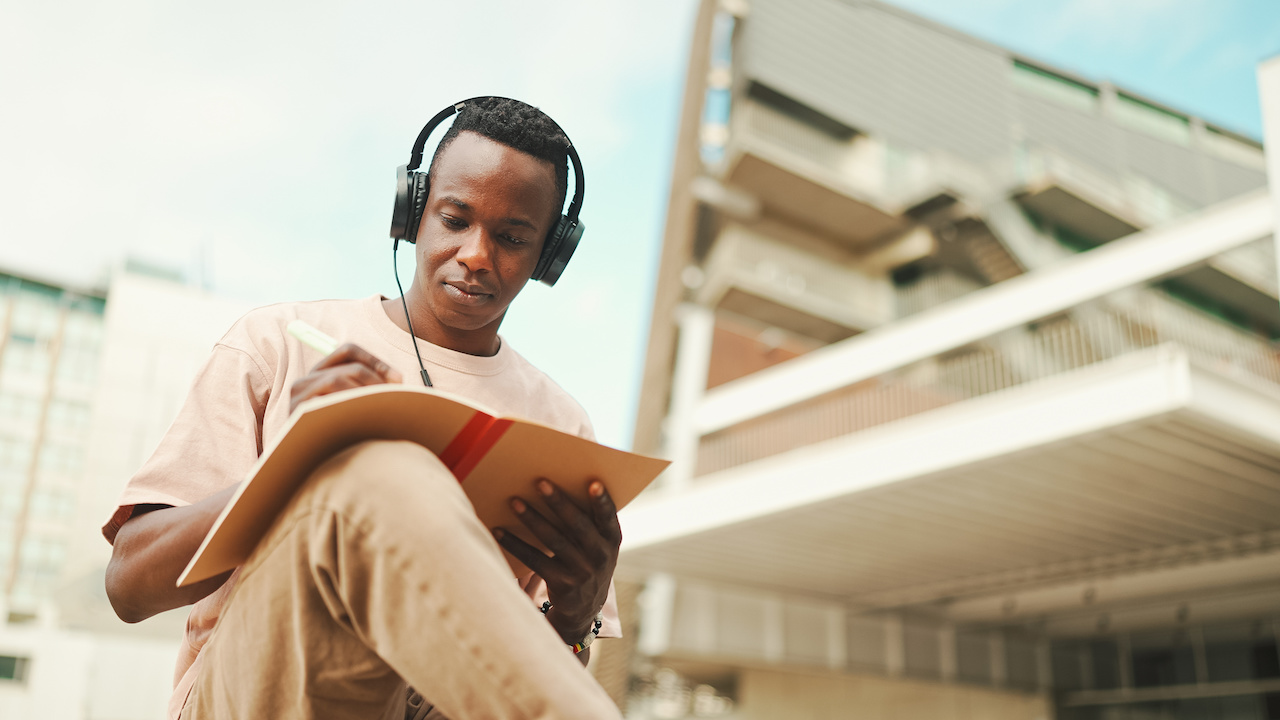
<point x="350" y="366"/>
<point x="584" y="543"/>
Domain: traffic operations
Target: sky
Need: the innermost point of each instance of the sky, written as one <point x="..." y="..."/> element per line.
<point x="253" y="145"/>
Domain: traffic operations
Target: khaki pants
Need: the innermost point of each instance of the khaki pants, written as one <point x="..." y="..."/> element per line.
<point x="378" y="573"/>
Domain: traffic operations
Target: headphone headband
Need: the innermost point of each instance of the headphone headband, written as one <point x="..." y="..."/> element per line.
<point x="420" y="144"/>
<point x="415" y="159"/>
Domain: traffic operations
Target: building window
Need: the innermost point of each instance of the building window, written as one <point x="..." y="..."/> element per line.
<point x="1104" y="658"/>
<point x="52" y="504"/>
<point x="717" y="101"/>
<point x="1162" y="658"/>
<point x="64" y="415"/>
<point x="973" y="657"/>
<point x="13" y="668"/>
<point x="26" y="354"/>
<point x="35" y="314"/>
<point x="1241" y="651"/>
<point x="20" y="407"/>
<point x="14" y="453"/>
<point x="78" y="364"/>
<point x="61" y="459"/>
<point x="1048" y="84"/>
<point x="1153" y="119"/>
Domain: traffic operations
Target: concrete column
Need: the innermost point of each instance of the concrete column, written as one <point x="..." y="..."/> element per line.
<point x="947" y="658"/>
<point x="837" y="639"/>
<point x="1126" y="662"/>
<point x="775" y="629"/>
<point x="693" y="357"/>
<point x="1269" y="94"/>
<point x="999" y="661"/>
<point x="895" y="646"/>
<point x="1198" y="654"/>
<point x="657" y="607"/>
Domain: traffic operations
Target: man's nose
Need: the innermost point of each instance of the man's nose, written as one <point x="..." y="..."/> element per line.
<point x="476" y="250"/>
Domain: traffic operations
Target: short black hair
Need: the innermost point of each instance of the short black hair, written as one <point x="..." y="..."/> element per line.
<point x="519" y="126"/>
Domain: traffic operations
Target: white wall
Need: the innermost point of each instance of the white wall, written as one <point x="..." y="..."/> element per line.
<point x="84" y="676"/>
<point x="85" y="663"/>
<point x="157" y="336"/>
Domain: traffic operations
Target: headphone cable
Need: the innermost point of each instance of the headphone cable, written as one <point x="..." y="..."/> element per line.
<point x="395" y="266"/>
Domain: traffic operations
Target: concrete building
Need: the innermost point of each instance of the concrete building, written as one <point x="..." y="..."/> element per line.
<point x="48" y="366"/>
<point x="89" y="381"/>
<point x="967" y="368"/>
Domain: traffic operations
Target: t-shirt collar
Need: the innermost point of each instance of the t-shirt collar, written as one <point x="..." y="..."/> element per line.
<point x="431" y="353"/>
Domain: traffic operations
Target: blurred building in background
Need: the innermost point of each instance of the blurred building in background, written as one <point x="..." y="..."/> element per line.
<point x="90" y="378"/>
<point x="967" y="367"/>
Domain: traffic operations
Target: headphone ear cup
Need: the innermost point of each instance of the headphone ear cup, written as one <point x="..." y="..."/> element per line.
<point x="400" y="213"/>
<point x="560" y="246"/>
<point x="420" y="186"/>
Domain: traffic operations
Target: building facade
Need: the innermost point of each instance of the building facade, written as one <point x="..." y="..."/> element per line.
<point x="967" y="368"/>
<point x="49" y="349"/>
<point x="89" y="381"/>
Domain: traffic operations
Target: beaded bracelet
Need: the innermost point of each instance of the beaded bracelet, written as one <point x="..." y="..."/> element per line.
<point x="585" y="642"/>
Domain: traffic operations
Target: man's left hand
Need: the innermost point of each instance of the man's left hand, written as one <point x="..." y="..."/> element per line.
<point x="584" y="543"/>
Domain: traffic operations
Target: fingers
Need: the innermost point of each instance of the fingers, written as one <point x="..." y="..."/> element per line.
<point x="584" y="540"/>
<point x="352" y="353"/>
<point x="556" y="540"/>
<point x="605" y="512"/>
<point x="590" y="536"/>
<point x="331" y="375"/>
<point x="579" y="525"/>
<point x="532" y="557"/>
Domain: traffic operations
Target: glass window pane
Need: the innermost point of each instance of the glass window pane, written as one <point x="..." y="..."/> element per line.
<point x="1240" y="651"/>
<point x="1105" y="657"/>
<point x="1162" y="658"/>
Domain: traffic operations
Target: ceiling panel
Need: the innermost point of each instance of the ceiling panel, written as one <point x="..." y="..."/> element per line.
<point x="1168" y="481"/>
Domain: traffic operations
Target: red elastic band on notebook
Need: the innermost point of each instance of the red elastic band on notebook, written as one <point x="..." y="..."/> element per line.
<point x="478" y="436"/>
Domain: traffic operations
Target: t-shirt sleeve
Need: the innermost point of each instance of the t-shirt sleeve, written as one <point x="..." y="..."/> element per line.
<point x="212" y="444"/>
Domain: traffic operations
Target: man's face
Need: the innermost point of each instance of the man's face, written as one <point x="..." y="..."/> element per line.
<point x="487" y="215"/>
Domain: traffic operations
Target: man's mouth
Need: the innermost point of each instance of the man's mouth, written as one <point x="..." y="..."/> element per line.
<point x="464" y="293"/>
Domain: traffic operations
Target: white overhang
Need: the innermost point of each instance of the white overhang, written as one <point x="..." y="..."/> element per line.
<point x="1039" y="483"/>
<point x="1137" y="259"/>
<point x="1099" y="216"/>
<point x="804" y="174"/>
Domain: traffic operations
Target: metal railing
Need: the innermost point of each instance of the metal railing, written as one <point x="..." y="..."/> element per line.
<point x="1044" y="349"/>
<point x="931" y="290"/>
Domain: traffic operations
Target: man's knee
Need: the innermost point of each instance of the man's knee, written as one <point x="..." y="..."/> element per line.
<point x="396" y="473"/>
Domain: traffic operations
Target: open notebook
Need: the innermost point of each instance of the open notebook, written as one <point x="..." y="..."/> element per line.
<point x="494" y="458"/>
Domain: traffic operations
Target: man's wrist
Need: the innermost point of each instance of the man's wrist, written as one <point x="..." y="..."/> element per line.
<point x="571" y="630"/>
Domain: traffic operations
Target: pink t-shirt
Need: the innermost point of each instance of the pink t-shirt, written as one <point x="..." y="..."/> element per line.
<point x="240" y="400"/>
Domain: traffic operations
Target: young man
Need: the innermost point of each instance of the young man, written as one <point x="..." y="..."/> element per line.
<point x="378" y="573"/>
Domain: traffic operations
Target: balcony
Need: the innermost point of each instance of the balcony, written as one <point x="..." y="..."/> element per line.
<point x="1097" y="209"/>
<point x="754" y="275"/>
<point x="837" y="187"/>
<point x="1051" y="427"/>
<point x="1030" y="355"/>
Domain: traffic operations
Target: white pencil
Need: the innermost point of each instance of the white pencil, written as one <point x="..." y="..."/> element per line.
<point x="312" y="337"/>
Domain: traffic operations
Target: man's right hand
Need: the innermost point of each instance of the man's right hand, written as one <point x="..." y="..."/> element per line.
<point x="155" y="544"/>
<point x="350" y="366"/>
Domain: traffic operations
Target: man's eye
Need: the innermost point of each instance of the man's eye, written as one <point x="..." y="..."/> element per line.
<point x="452" y="222"/>
<point x="515" y="240"/>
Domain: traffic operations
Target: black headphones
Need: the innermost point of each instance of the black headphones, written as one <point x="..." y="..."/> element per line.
<point x="412" y="186"/>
